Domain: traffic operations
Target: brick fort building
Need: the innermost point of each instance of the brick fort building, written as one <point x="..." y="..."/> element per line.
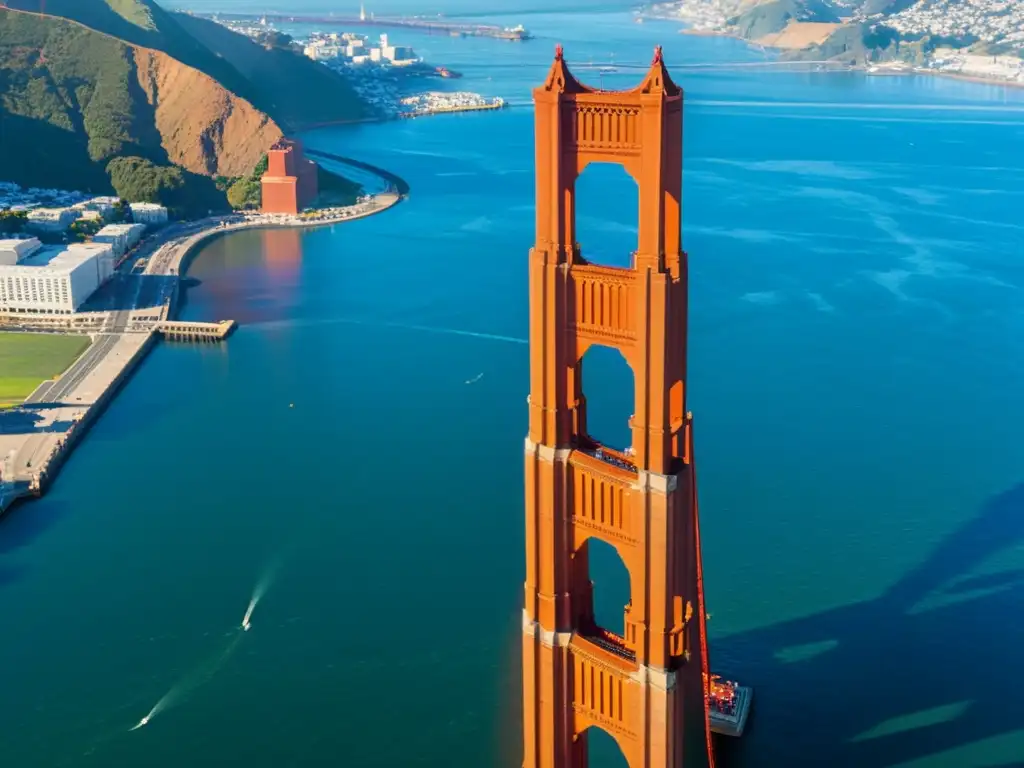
<point x="290" y="183"/>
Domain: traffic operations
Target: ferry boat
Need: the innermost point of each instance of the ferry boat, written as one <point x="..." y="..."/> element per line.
<point x="728" y="706"/>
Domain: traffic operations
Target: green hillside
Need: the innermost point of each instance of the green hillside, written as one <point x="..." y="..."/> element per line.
<point x="74" y="112"/>
<point x="69" y="104"/>
<point x="771" y="17"/>
<point x="292" y="89"/>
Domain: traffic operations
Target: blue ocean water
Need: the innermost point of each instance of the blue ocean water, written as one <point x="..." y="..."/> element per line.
<point x="856" y="263"/>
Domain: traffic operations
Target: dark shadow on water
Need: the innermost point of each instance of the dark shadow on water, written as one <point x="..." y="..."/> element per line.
<point x="25" y="420"/>
<point x="26" y="522"/>
<point x="126" y="291"/>
<point x="892" y="659"/>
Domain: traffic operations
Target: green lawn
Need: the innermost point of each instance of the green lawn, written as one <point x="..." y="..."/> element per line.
<point x="28" y="359"/>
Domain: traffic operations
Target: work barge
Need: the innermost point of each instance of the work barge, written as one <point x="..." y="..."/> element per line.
<point x="429" y="26"/>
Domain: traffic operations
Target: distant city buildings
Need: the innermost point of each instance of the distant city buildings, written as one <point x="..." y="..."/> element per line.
<point x="50" y="213"/>
<point x="990" y="21"/>
<point x="353" y="49"/>
<point x="290" y="183"/>
<point x="52" y="279"/>
<point x="38" y="279"/>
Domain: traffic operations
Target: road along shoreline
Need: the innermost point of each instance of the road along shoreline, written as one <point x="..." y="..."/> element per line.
<point x="37" y="436"/>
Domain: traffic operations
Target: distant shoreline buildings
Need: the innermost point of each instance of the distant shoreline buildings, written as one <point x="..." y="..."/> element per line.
<point x="54" y="277"/>
<point x="355" y="49"/>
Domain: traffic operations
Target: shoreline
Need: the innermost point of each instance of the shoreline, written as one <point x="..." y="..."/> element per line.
<point x="865" y="68"/>
<point x="79" y="396"/>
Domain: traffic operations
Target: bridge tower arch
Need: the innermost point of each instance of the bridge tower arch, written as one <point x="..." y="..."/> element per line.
<point x="648" y="686"/>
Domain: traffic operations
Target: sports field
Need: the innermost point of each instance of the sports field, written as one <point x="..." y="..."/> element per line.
<point x="28" y="359"/>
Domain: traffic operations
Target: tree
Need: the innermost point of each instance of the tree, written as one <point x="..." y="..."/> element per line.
<point x="247" y="192"/>
<point x="12" y="222"/>
<point x="184" y="193"/>
<point x="84" y="229"/>
<point x="122" y="212"/>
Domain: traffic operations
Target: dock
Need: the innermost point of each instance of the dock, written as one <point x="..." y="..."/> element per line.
<point x="733" y="724"/>
<point x="177" y="330"/>
<point x="430" y="26"/>
<point x="452" y="108"/>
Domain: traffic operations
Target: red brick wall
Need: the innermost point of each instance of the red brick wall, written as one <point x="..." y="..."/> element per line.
<point x="280" y="195"/>
<point x="290" y="183"/>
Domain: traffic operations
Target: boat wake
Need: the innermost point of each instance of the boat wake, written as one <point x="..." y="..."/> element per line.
<point x="475" y="379"/>
<point x="198" y="677"/>
<point x="205" y="672"/>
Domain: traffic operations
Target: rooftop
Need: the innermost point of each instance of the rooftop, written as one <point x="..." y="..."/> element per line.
<point x="48" y="213"/>
<point x="117" y="229"/>
<point x="63" y="257"/>
<point x="18" y="243"/>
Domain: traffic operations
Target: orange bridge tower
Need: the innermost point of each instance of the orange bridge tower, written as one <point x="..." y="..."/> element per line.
<point x="646" y="682"/>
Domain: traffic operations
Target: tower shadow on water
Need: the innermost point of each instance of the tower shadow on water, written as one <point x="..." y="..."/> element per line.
<point x="925" y="669"/>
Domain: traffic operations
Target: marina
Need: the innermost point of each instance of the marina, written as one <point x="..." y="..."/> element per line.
<point x="435" y="102"/>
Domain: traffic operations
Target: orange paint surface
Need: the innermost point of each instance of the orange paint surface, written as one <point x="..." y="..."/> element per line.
<point x="644" y="683"/>
<point x="290" y="183"/>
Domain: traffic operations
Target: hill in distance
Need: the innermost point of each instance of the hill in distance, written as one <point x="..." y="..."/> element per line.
<point x="123" y="96"/>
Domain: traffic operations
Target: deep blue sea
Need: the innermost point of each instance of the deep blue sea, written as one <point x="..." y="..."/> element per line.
<point x="857" y="279"/>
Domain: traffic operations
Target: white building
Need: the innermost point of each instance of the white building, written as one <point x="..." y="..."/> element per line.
<point x="13" y="251"/>
<point x="103" y="206"/>
<point x="55" y="280"/>
<point x="120" y="237"/>
<point x="148" y="213"/>
<point x="103" y="254"/>
<point x="84" y="215"/>
<point x="51" y="219"/>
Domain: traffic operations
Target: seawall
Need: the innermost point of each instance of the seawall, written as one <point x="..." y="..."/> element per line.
<point x="84" y="414"/>
<point x="65" y="442"/>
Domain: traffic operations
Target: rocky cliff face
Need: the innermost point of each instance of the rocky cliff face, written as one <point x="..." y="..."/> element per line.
<point x="204" y="128"/>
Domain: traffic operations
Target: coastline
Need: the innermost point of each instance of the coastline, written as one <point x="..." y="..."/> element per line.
<point x="71" y="404"/>
<point x="866" y="68"/>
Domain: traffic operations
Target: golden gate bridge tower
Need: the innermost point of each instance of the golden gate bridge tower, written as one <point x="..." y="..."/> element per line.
<point x="647" y="683"/>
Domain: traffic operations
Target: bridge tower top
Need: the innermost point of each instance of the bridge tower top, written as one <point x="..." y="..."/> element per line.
<point x="639" y="129"/>
<point x="646" y="683"/>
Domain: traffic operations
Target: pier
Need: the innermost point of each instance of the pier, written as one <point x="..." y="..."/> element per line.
<point x="177" y="330"/>
<point x="431" y="27"/>
<point x="439" y="110"/>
